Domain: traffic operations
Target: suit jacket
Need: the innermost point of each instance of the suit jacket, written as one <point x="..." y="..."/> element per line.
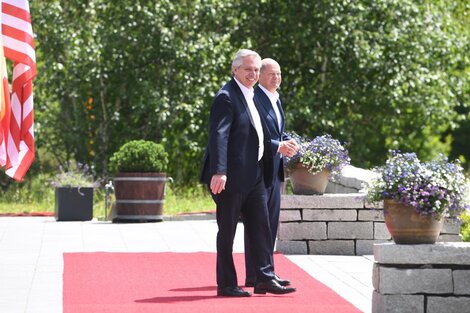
<point x="277" y="135"/>
<point x="233" y="142"/>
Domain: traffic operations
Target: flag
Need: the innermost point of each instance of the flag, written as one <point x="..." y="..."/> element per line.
<point x="18" y="46"/>
<point x="3" y="108"/>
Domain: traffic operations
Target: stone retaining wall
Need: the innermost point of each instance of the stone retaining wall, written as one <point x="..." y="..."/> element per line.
<point x="338" y="224"/>
<point x="421" y="278"/>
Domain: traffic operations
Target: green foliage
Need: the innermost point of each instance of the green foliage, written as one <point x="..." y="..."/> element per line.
<point x="37" y="194"/>
<point x="36" y="189"/>
<point x="379" y="75"/>
<point x="465" y="227"/>
<point x="39" y="197"/>
<point x="115" y="71"/>
<point x="139" y="156"/>
<point x="188" y="199"/>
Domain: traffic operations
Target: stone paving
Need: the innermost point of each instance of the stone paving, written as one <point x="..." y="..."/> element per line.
<point x="31" y="257"/>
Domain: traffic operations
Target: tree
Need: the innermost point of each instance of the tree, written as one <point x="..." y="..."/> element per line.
<point x="378" y="74"/>
<point x="116" y="71"/>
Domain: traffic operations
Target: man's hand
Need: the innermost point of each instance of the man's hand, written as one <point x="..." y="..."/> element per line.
<point x="288" y="147"/>
<point x="218" y="183"/>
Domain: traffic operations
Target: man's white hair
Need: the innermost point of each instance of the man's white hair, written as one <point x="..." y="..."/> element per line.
<point x="238" y="58"/>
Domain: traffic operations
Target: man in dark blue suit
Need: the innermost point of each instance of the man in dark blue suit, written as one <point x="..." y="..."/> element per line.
<point x="270" y="109"/>
<point x="236" y="166"/>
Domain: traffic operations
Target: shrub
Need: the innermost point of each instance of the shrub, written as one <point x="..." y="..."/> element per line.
<point x="465" y="228"/>
<point x="139" y="156"/>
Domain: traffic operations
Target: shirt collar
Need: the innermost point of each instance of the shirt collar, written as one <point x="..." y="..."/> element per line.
<point x="272" y="96"/>
<point x="247" y="92"/>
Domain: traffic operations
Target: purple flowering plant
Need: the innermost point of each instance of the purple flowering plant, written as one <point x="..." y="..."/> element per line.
<point x="321" y="152"/>
<point x="75" y="174"/>
<point x="438" y="187"/>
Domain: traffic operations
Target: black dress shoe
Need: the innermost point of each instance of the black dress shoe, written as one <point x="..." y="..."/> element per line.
<point x="232" y="292"/>
<point x="282" y="282"/>
<point x="272" y="286"/>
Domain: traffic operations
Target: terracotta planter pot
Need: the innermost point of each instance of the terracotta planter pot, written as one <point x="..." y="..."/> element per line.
<point x="139" y="197"/>
<point x="408" y="227"/>
<point x="306" y="183"/>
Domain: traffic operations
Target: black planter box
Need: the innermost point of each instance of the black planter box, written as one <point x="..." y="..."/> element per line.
<point x="73" y="204"/>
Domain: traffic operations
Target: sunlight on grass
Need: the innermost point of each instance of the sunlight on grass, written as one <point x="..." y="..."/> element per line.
<point x="177" y="201"/>
<point x="17" y="208"/>
<point x="187" y="200"/>
<point x="465" y="230"/>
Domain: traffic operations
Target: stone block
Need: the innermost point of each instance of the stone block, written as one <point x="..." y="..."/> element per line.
<point x="450" y="227"/>
<point x="461" y="282"/>
<point x="374" y="205"/>
<point x="375" y="276"/>
<point x="350" y="230"/>
<point x="329" y="215"/>
<point x="354" y="177"/>
<point x="397" y="303"/>
<point x="414" y="281"/>
<point x="371" y="215"/>
<point x="381" y="231"/>
<point x="331" y="247"/>
<point x="325" y="201"/>
<point x="302" y="231"/>
<point x="292" y="247"/>
<point x="290" y="216"/>
<point x="457" y="253"/>
<point x="449" y="238"/>
<point x="365" y="247"/>
<point x="333" y="187"/>
<point x="448" y="304"/>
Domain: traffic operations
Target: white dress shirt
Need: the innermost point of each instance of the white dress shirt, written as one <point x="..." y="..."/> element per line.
<point x="248" y="93"/>
<point x="273" y="97"/>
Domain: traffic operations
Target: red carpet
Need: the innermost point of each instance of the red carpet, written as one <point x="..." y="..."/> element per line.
<point x="180" y="282"/>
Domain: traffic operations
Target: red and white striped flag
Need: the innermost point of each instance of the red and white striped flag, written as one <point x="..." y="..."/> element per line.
<point x="18" y="46"/>
<point x="4" y="107"/>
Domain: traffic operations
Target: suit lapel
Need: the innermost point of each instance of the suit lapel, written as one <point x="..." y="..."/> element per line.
<point x="242" y="99"/>
<point x="267" y="107"/>
<point x="281" y="111"/>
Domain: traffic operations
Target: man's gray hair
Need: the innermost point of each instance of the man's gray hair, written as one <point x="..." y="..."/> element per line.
<point x="238" y="58"/>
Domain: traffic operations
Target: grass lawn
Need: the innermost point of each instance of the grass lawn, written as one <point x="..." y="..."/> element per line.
<point x="176" y="202"/>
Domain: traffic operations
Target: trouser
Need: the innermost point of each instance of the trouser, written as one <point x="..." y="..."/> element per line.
<point x="273" y="194"/>
<point x="253" y="207"/>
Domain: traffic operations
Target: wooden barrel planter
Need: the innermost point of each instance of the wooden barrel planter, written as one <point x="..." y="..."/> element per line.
<point x="139" y="197"/>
